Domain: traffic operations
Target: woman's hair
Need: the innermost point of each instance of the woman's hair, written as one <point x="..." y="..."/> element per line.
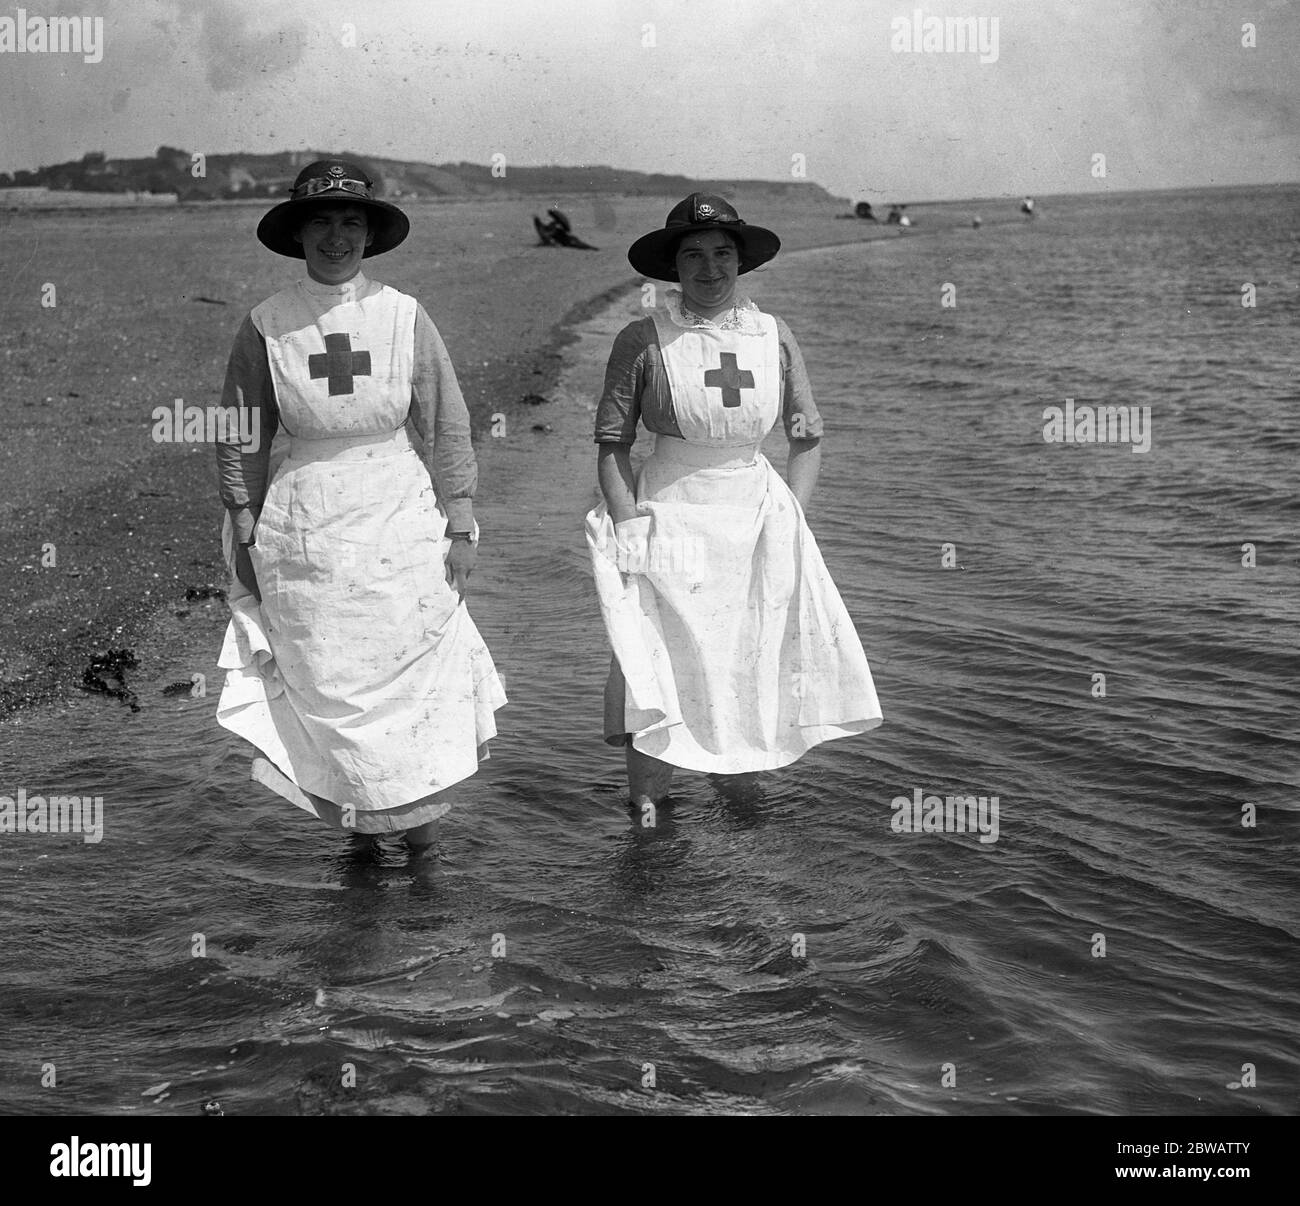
<point x="676" y="245"/>
<point x="310" y="212"/>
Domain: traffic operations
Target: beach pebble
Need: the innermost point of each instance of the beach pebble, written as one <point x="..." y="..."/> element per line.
<point x="555" y="1015"/>
<point x="155" y="1089"/>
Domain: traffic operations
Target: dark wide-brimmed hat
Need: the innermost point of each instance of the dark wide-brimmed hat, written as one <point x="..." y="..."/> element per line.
<point x="333" y="182"/>
<point x="653" y="255"/>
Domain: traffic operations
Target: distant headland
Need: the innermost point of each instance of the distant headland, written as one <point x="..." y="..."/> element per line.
<point x="173" y="173"/>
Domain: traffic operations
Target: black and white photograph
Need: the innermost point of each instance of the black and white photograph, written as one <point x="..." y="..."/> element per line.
<point x="651" y="558"/>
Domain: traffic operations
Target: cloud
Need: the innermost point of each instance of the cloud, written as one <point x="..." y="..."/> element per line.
<point x="238" y="49"/>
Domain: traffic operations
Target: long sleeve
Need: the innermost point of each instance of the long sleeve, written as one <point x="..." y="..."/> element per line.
<point x="440" y="416"/>
<point x="242" y="472"/>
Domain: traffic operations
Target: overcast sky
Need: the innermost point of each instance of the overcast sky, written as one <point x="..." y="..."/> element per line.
<point x="1163" y="88"/>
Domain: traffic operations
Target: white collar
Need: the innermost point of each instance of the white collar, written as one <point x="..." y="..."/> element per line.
<point x="742" y="317"/>
<point x="347" y="292"/>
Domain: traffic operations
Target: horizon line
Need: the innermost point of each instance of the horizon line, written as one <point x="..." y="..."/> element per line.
<point x="852" y="198"/>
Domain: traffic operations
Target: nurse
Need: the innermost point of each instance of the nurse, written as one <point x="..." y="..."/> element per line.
<point x="352" y="665"/>
<point x="732" y="649"/>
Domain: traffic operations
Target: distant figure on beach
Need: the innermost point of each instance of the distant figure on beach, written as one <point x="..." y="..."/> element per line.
<point x="864" y="211"/>
<point x="352" y="665"/>
<point x="975" y="222"/>
<point x="732" y="650"/>
<point x="896" y="217"/>
<point x="1027" y="207"/>
<point x="558" y="232"/>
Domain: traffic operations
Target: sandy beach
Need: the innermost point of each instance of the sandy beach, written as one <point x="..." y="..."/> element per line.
<point x="145" y="305"/>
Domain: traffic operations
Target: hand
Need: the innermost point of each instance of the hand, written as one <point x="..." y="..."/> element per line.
<point x="631" y="544"/>
<point x="461" y="559"/>
<point x="244" y="570"/>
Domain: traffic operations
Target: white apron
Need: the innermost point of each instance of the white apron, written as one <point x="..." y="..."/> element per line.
<point x="734" y="649"/>
<point x="360" y="677"/>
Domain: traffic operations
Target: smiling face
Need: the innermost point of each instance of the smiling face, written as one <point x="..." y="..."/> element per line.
<point x="707" y="265"/>
<point x="334" y="239"/>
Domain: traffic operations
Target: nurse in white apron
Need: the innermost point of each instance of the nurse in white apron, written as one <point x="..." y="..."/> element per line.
<point x="352" y="665"/>
<point x="733" y="652"/>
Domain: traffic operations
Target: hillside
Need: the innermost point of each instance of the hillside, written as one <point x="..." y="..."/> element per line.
<point x="172" y="170"/>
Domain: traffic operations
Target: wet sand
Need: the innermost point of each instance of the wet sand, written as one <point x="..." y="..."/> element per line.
<point x="146" y="306"/>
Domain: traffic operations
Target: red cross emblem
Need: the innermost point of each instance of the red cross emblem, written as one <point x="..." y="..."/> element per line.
<point x="730" y="379"/>
<point x="339" y="363"/>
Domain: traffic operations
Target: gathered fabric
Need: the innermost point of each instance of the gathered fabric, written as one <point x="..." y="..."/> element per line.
<point x="733" y="651"/>
<point x="359" y="677"/>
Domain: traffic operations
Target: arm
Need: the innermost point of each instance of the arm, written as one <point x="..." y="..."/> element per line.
<point x="441" y="417"/>
<point x="617" y="414"/>
<point x="242" y="472"/>
<point x="802" y="469"/>
<point x="803" y="425"/>
<point x="614" y="469"/>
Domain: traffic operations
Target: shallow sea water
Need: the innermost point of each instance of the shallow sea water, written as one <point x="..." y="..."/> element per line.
<point x="773" y="946"/>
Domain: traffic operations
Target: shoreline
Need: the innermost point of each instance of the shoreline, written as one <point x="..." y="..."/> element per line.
<point x="143" y="541"/>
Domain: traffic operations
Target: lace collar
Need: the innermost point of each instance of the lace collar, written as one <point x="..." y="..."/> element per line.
<point x="742" y="317"/>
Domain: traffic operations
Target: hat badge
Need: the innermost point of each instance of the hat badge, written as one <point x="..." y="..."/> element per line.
<point x="703" y="210"/>
<point x="335" y="170"/>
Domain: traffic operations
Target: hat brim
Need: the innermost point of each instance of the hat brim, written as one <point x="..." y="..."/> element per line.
<point x="653" y="255"/>
<point x="278" y="226"/>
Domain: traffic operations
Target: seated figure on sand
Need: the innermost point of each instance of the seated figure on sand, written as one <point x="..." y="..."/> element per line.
<point x="558" y="232"/>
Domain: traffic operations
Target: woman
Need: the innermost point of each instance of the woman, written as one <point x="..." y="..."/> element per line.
<point x="352" y="664"/>
<point x="732" y="649"/>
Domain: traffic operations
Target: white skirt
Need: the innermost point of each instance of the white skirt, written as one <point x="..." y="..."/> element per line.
<point x="733" y="651"/>
<point x="360" y="677"/>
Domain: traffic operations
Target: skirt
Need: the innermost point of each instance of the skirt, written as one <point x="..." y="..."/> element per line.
<point x="733" y="651"/>
<point x="360" y="677"/>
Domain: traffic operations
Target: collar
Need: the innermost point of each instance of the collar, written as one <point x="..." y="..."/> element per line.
<point x="349" y="291"/>
<point x="742" y="317"/>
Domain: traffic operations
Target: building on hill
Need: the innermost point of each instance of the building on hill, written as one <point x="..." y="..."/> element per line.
<point x="240" y="181"/>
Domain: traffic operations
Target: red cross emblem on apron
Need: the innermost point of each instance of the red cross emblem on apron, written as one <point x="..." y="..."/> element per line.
<point x="339" y="363"/>
<point x="730" y="379"/>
